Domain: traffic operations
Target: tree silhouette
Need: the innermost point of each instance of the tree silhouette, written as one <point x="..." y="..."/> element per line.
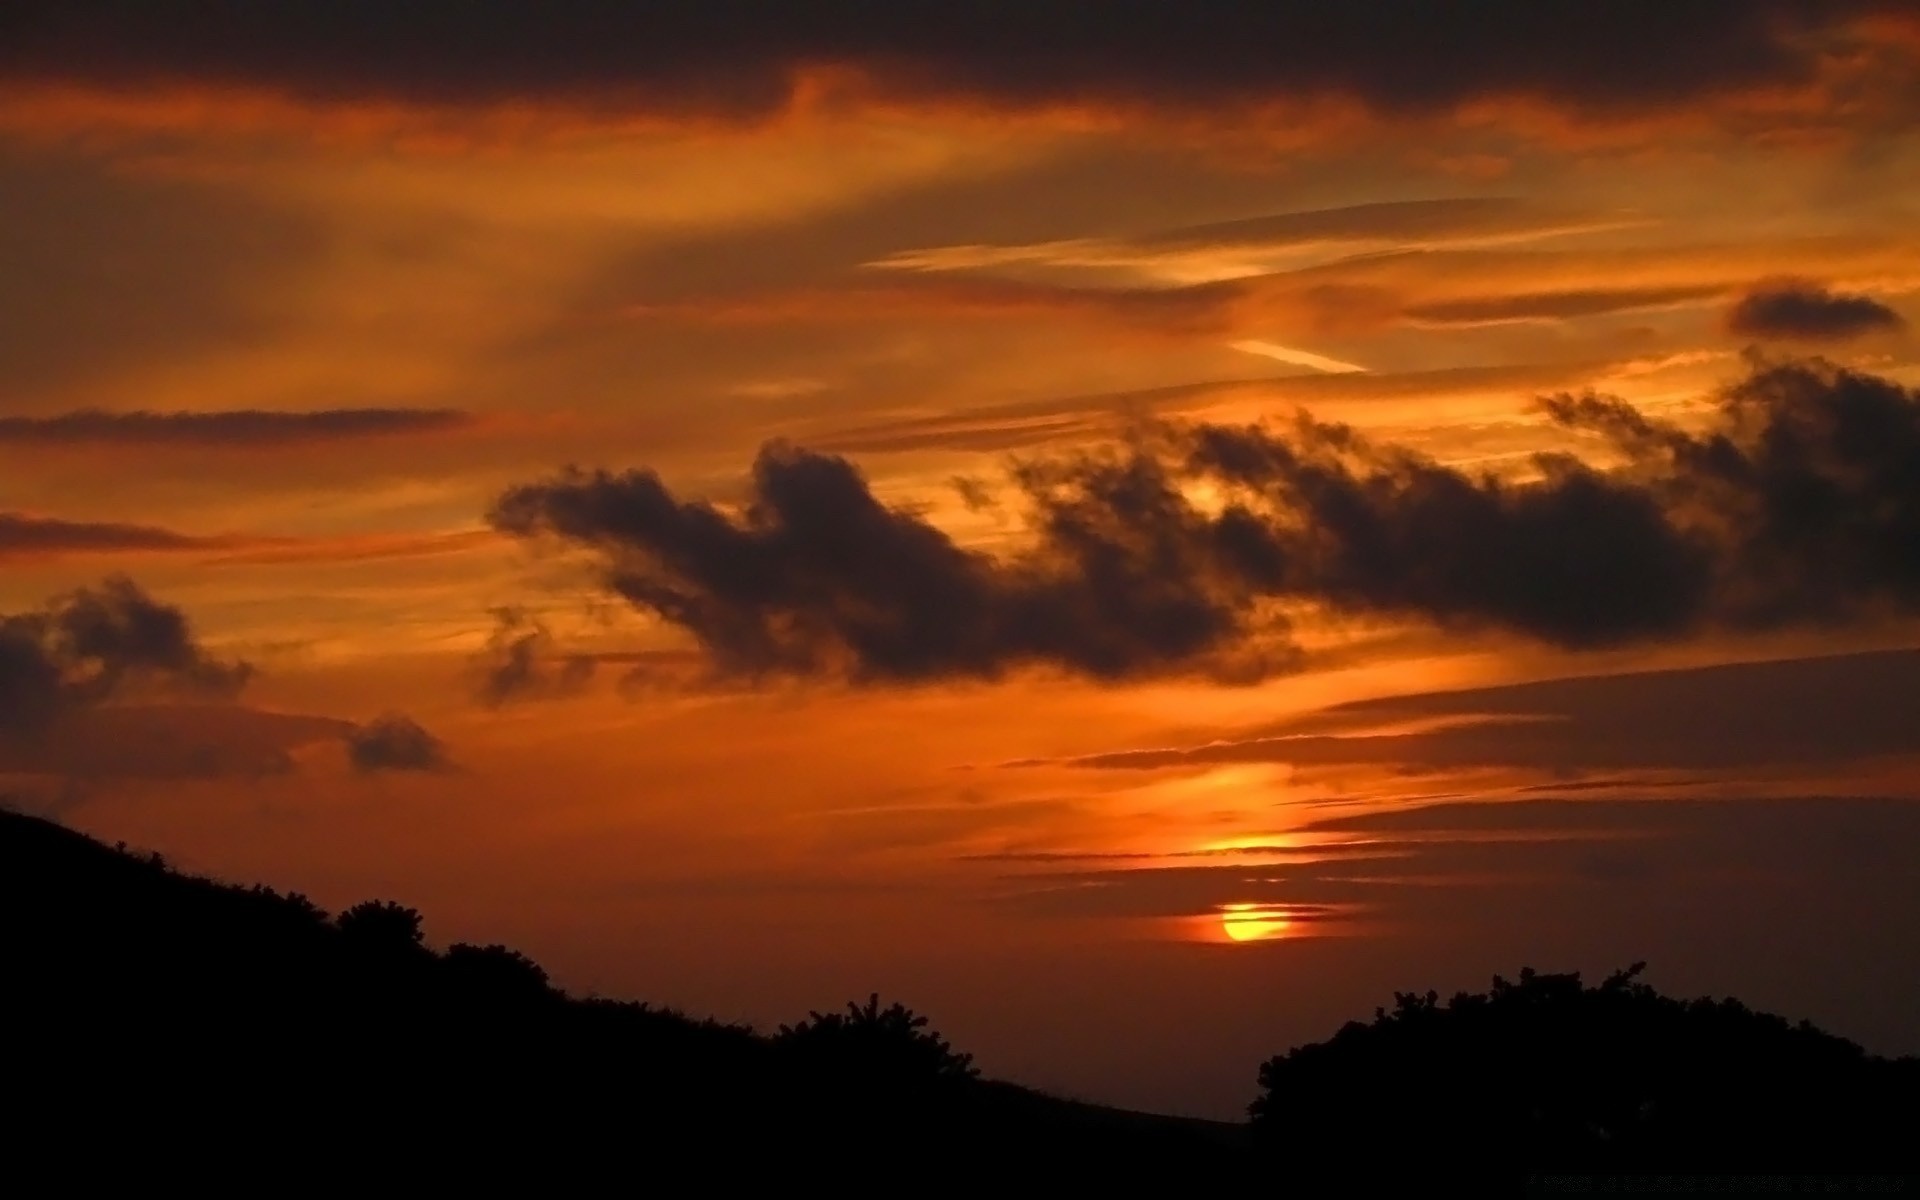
<point x="1545" y="1073"/>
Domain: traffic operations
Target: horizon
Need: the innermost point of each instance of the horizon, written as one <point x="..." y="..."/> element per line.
<point x="1113" y="528"/>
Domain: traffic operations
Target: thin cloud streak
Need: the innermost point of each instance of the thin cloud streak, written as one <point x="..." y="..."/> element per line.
<point x="1302" y="358"/>
<point x="237" y="428"/>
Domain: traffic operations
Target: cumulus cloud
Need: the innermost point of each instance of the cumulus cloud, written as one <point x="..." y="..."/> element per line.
<point x="1801" y="310"/>
<point x="243" y="428"/>
<point x="819" y="576"/>
<point x="1801" y="503"/>
<point x="736" y="59"/>
<point x="395" y="742"/>
<point x="102" y="643"/>
<point x="1805" y="492"/>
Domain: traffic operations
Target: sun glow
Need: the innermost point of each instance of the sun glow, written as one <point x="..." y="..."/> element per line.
<point x="1254" y="922"/>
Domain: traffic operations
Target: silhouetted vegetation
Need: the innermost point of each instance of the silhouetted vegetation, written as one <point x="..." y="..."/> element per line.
<point x="174" y="1019"/>
<point x="1548" y="1074"/>
<point x="890" y="1045"/>
<point x="159" y="1018"/>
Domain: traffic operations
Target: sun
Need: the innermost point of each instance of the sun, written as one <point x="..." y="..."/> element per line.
<point x="1254" y="922"/>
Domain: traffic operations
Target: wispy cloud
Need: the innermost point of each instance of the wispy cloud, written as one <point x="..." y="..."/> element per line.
<point x="1298" y="357"/>
<point x="238" y="428"/>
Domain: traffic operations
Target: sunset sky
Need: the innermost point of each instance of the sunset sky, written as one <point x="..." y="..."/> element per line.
<point x="1136" y="529"/>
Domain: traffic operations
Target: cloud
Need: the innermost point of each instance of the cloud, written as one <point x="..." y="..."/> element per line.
<point x="1230" y="245"/>
<point x="395" y="742"/>
<point x="519" y="662"/>
<point x="1025" y="423"/>
<point x="734" y="60"/>
<point x="1801" y="310"/>
<point x="1296" y="356"/>
<point x="1423" y="222"/>
<point x="26" y="535"/>
<point x="1461" y="863"/>
<point x="1805" y="491"/>
<point x="1554" y="306"/>
<point x="365" y="547"/>
<point x="167" y="742"/>
<point x="238" y="428"/>
<point x="820" y="577"/>
<point x="1740" y="717"/>
<point x="97" y="644"/>
<point x="1229" y="296"/>
<point x="1800" y="503"/>
<point x="1202" y="308"/>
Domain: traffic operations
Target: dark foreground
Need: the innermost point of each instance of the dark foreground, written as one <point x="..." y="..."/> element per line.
<point x="163" y="1027"/>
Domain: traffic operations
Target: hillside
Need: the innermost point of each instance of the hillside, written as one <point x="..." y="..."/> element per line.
<point x="187" y="1018"/>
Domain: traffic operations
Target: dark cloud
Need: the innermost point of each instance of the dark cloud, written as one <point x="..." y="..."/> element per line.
<point x="1576" y="558"/>
<point x="1805" y="311"/>
<point x="24" y="534"/>
<point x="1743" y="717"/>
<point x="1554" y="306"/>
<point x="1801" y="503"/>
<point x="395" y="742"/>
<point x="101" y="643"/>
<point x="520" y="661"/>
<point x="1806" y="489"/>
<point x="819" y="576"/>
<point x="167" y="742"/>
<point x="735" y="58"/>
<point x="243" y="428"/>
<point x="1455" y="862"/>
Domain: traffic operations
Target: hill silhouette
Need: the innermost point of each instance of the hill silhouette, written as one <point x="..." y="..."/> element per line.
<point x="183" y="1024"/>
<point x="165" y="1018"/>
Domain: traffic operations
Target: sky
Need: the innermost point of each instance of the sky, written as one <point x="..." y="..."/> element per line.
<point x="1138" y="530"/>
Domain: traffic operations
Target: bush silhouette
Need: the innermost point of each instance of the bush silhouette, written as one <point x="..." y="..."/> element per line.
<point x="1546" y="1073"/>
<point x="383" y="925"/>
<point x="496" y="974"/>
<point x="876" y="1045"/>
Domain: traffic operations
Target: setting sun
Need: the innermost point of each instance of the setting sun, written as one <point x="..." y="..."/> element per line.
<point x="1254" y="922"/>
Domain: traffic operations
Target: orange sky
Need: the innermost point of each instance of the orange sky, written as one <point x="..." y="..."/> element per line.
<point x="285" y="320"/>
